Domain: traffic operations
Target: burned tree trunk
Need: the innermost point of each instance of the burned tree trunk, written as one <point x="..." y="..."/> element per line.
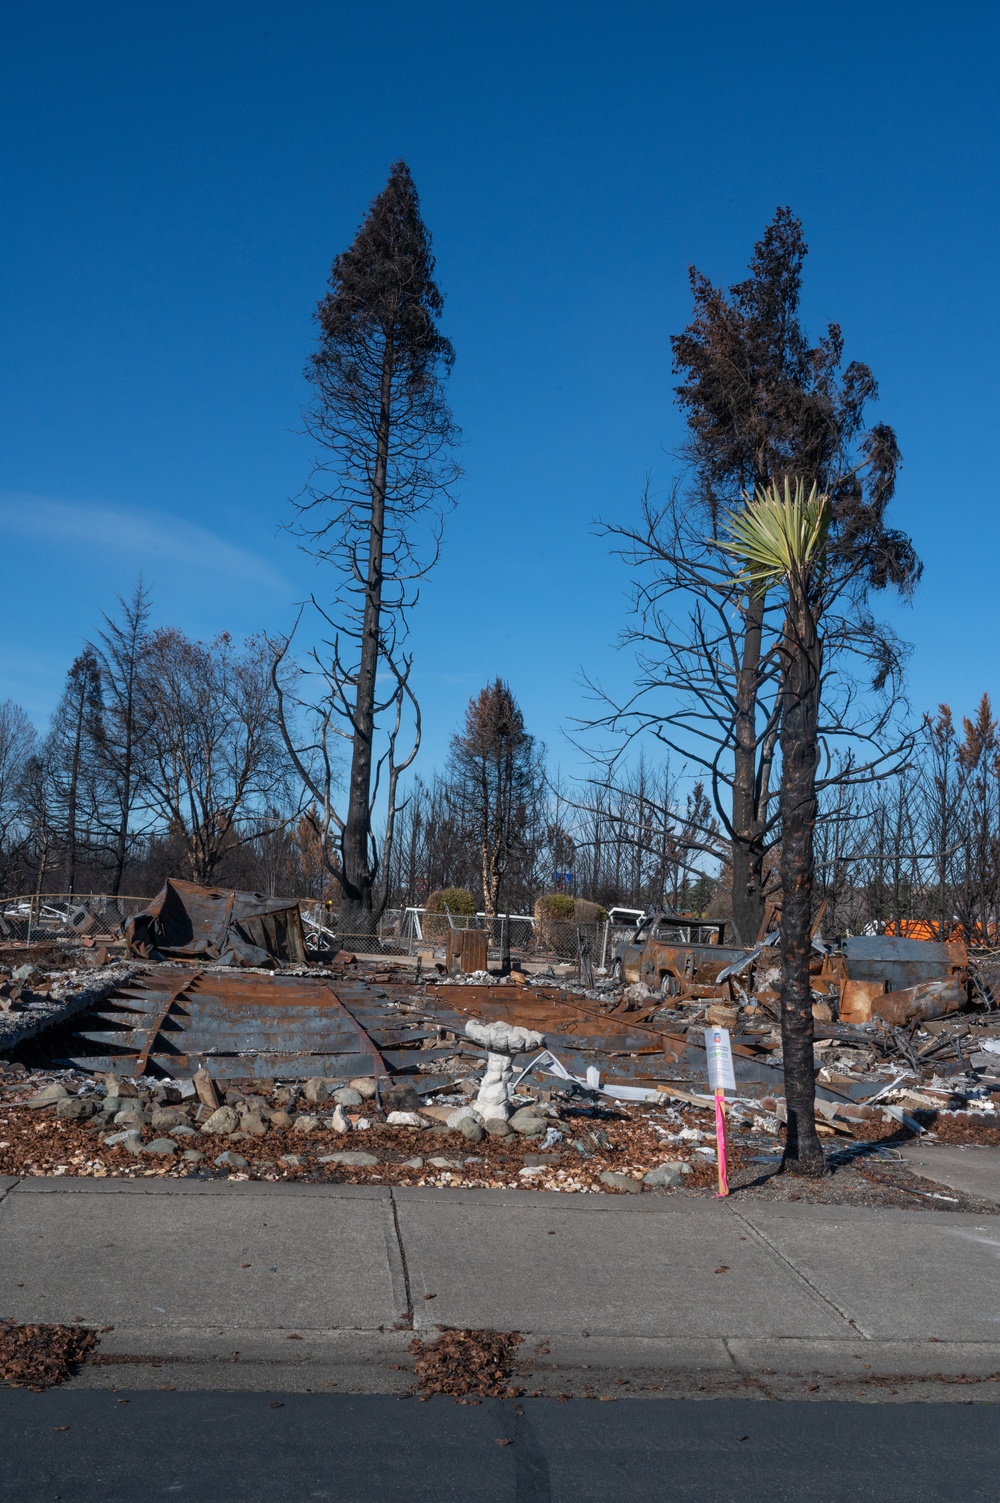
<point x="358" y="876"/>
<point x="799" y="758"/>
<point x="749" y="841"/>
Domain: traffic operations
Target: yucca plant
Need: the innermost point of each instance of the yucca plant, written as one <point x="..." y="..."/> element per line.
<point x="780" y="541"/>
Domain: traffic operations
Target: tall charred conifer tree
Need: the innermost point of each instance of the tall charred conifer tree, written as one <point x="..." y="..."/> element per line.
<point x="72" y="765"/>
<point x="374" y="512"/>
<point x="762" y="404"/>
<point x="128" y="713"/>
<point x="496" y="776"/>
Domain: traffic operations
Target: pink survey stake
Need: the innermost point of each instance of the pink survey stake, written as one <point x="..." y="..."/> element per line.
<point x="719" y="1054"/>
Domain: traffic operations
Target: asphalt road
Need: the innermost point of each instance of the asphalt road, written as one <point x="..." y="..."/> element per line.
<point x="243" y="1447"/>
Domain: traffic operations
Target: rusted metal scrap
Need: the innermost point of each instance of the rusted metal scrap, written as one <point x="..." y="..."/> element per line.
<point x="898" y="980"/>
<point x="628" y="1051"/>
<point x="677" y="955"/>
<point x="239" y="1027"/>
<point x="216" y="925"/>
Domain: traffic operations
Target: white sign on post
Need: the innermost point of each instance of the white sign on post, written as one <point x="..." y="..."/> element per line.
<point x="720" y="1059"/>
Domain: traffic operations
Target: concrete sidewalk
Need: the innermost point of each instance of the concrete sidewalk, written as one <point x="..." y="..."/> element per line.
<point x="969" y="1167"/>
<point x="215" y="1284"/>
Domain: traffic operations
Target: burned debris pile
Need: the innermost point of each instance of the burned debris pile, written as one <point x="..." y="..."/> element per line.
<point x="391" y="1075"/>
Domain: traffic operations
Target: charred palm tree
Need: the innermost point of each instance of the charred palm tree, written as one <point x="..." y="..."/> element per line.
<point x="780" y="539"/>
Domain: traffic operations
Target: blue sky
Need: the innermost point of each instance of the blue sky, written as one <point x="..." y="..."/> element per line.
<point x="177" y="179"/>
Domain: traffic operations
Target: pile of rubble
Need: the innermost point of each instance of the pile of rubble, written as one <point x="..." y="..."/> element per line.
<point x="383" y="1075"/>
<point x="34" y="997"/>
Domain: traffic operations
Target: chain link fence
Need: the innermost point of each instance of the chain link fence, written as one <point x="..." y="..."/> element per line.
<point x="409" y="931"/>
<point x="39" y="918"/>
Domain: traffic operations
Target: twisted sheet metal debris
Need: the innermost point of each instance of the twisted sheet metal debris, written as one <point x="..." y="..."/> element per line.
<point x="216" y="924"/>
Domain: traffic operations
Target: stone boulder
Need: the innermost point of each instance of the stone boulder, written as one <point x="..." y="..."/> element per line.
<point x="348" y="1096"/>
<point x="667" y="1176"/>
<point x="48" y="1096"/>
<point x="76" y="1109"/>
<point x="355" y="1157"/>
<point x="616" y="1181"/>
<point x="224" y="1119"/>
<point x="164" y="1147"/>
<point x="231" y="1160"/>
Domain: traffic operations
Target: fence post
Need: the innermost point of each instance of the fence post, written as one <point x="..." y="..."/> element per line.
<point x="604" y="943"/>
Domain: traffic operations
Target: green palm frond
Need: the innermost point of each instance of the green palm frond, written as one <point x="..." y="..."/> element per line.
<point x="780" y="535"/>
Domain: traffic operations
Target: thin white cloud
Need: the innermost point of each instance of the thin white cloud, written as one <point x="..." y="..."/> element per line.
<point x="147" y="537"/>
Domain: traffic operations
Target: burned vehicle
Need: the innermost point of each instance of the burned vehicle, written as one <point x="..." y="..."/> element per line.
<point x="674" y="952"/>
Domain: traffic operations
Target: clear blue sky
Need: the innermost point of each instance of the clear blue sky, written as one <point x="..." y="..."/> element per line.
<point x="177" y="179"/>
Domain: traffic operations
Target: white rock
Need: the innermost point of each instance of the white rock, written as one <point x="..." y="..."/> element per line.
<point x="339" y="1122"/>
<point x="459" y="1114"/>
<point x="365" y="1087"/>
<point x="405" y="1119"/>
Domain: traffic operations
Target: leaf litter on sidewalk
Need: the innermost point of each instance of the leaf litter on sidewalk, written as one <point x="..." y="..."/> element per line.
<point x="467" y="1364"/>
<point x="37" y="1356"/>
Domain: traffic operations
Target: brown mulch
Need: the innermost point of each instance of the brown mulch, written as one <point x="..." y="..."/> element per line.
<point x="44" y="957"/>
<point x="465" y="1364"/>
<point x="962" y="1127"/>
<point x="947" y="1127"/>
<point x="38" y="1356"/>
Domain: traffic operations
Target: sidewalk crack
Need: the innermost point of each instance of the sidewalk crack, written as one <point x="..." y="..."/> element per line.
<point x="407" y="1322"/>
<point x="817" y="1294"/>
<point x="6" y="1192"/>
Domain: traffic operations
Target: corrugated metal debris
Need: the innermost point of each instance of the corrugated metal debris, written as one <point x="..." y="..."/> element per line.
<point x="217" y="925"/>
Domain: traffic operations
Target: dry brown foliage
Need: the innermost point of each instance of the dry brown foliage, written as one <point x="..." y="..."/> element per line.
<point x="467" y="1363"/>
<point x="38" y="1356"/>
